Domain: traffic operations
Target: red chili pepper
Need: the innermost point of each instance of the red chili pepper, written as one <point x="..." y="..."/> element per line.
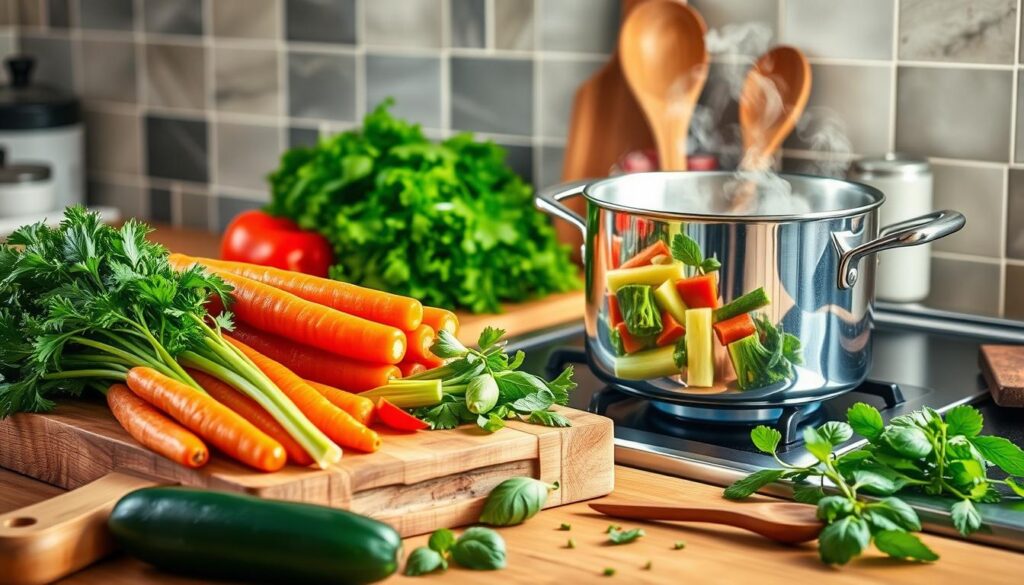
<point x="259" y="238"/>
<point x="396" y="418"/>
<point x="699" y="291"/>
<point x="671" y="330"/>
<point x="630" y="343"/>
<point x="735" y="329"/>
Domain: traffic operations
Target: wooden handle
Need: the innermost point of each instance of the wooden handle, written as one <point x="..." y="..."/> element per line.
<point x="46" y="541"/>
<point x="689" y="513"/>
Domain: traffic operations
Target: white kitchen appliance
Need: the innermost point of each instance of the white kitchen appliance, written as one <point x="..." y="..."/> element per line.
<point x="42" y="124"/>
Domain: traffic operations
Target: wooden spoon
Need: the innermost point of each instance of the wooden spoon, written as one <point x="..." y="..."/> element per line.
<point x="780" y="521"/>
<point x="773" y="97"/>
<point x="666" y="64"/>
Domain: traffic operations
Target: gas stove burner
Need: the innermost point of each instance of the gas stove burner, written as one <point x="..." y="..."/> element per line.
<point x="733" y="415"/>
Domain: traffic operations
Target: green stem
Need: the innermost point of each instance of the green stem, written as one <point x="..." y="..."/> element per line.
<point x="131" y="358"/>
<point x="457" y="389"/>
<point x="87" y="373"/>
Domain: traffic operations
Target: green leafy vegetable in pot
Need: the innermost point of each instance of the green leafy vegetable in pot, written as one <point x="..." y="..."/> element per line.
<point x="765" y="357"/>
<point x="448" y="223"/>
<point x="639" y="309"/>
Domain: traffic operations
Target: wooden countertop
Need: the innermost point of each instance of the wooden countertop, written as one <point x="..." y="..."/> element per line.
<point x="516" y="318"/>
<point x="712" y="555"/>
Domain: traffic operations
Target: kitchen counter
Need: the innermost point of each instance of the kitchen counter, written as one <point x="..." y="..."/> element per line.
<point x="713" y="554"/>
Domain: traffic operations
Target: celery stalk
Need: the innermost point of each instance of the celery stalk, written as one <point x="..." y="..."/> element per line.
<point x="668" y="300"/>
<point x="647" y="364"/>
<point x="408" y="393"/>
<point x="652" y="275"/>
<point x="700" y="363"/>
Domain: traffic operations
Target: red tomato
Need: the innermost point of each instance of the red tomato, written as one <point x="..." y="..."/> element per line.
<point x="396" y="418"/>
<point x="259" y="238"/>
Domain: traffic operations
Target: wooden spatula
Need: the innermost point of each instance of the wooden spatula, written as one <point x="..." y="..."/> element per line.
<point x="780" y="521"/>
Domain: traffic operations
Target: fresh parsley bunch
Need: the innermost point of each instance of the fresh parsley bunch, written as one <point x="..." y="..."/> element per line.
<point x="485" y="386"/>
<point x="919" y="452"/>
<point x="448" y="223"/>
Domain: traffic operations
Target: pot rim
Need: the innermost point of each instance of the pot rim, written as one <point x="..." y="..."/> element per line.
<point x="877" y="196"/>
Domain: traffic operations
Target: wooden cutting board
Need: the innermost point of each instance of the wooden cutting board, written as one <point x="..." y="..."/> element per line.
<point x="417" y="482"/>
<point x="1003" y="369"/>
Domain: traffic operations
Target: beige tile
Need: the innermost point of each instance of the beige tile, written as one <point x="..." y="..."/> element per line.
<point x="30" y="12"/>
<point x="861" y="29"/>
<point x="108" y="70"/>
<point x="1015" y="216"/>
<point x="964" y="287"/>
<point x="513" y="24"/>
<point x="246" y="80"/>
<point x="559" y="81"/>
<point x="403" y="23"/>
<point x="978" y="194"/>
<point x="113" y="142"/>
<point x="246" y="153"/>
<point x="175" y="76"/>
<point x="979" y="31"/>
<point x="131" y="200"/>
<point x="195" y="210"/>
<point x="1014" y="292"/>
<point x="251" y="19"/>
<point x="588" y="26"/>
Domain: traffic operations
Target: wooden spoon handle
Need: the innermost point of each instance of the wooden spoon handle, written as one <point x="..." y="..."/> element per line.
<point x="48" y="540"/>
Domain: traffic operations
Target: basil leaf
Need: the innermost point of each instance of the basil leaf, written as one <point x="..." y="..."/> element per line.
<point x="745" y="487"/>
<point x="624" y="536"/>
<point x="808" y="494"/>
<point x="710" y="265"/>
<point x="686" y="250"/>
<point x="964" y="420"/>
<point x="515" y="500"/>
<point x="966" y="518"/>
<point x="548" y="418"/>
<point x="897" y="511"/>
<point x="831" y="508"/>
<point x="865" y="420"/>
<point x="441" y="540"/>
<point x="514" y="385"/>
<point x="908" y="441"/>
<point x="491" y="422"/>
<point x="903" y="545"/>
<point x="873" y="483"/>
<point x="480" y="548"/>
<point x="816" y="444"/>
<point x="765" y="438"/>
<point x="537" y="401"/>
<point x="835" y="432"/>
<point x="1002" y="453"/>
<point x="843" y="540"/>
<point x="966" y="472"/>
<point x="424" y="560"/>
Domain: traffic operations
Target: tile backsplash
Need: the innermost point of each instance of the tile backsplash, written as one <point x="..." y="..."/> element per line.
<point x="189" y="103"/>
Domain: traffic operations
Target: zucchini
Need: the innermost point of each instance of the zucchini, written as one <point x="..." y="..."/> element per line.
<point x="747" y="303"/>
<point x="700" y="361"/>
<point x="668" y="300"/>
<point x="647" y="364"/>
<point x="240" y="537"/>
<point x="652" y="275"/>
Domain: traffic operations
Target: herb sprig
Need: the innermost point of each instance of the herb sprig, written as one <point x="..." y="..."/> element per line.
<point x="686" y="250"/>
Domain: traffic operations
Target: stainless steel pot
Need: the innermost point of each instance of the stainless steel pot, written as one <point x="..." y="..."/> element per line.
<point x="807" y="240"/>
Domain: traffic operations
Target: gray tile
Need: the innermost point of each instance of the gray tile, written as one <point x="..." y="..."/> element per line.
<point x="321" y="21"/>
<point x="403" y="23"/>
<point x="1018" y="155"/>
<point x="520" y="159"/>
<point x="195" y="210"/>
<point x="513" y="24"/>
<point x="848" y="101"/>
<point x="414" y="82"/>
<point x="53" y="60"/>
<point x="160" y="205"/>
<point x="492" y="95"/>
<point x="964" y="287"/>
<point x="8" y="12"/>
<point x="739" y="26"/>
<point x="177" y="149"/>
<point x="250" y="19"/>
<point x="131" y="200"/>
<point x="980" y="31"/>
<point x="978" y="194"/>
<point x="175" y="17"/>
<point x="106" y="14"/>
<point x="954" y="113"/>
<point x="322" y="85"/>
<point x="1015" y="216"/>
<point x="175" y="76"/>
<point x="551" y="159"/>
<point x="468" y="24"/>
<point x="246" y="153"/>
<point x="1014" y="295"/>
<point x="559" y="82"/>
<point x="590" y="26"/>
<point x="229" y="207"/>
<point x="302" y="137"/>
<point x="861" y="29"/>
<point x="246" y="80"/>
<point x="108" y="70"/>
<point x="57" y="13"/>
<point x="113" y="142"/>
<point x="30" y="12"/>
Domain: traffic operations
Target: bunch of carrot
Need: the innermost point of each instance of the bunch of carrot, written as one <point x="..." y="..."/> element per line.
<point x="307" y="336"/>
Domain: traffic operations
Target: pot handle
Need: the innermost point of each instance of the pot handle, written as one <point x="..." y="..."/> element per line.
<point x="549" y="200"/>
<point x="911" y="232"/>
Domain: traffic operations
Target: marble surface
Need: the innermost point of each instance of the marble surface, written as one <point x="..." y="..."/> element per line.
<point x="245" y="153"/>
<point x="979" y="31"/>
<point x="175" y="76"/>
<point x="251" y="19"/>
<point x="403" y="23"/>
<point x="321" y="85"/>
<point x="246" y="80"/>
<point x="413" y="81"/>
<point x="513" y="24"/>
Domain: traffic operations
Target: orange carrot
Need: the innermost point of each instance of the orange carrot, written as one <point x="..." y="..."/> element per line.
<point x="644" y="257"/>
<point x="209" y="419"/>
<point x="439" y="319"/>
<point x="398" y="311"/>
<point x="315" y="364"/>
<point x="360" y="407"/>
<point x="412" y="368"/>
<point x="419" y="342"/>
<point x="282" y="313"/>
<point x="154" y="430"/>
<point x="251" y="411"/>
<point x="337" y="424"/>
